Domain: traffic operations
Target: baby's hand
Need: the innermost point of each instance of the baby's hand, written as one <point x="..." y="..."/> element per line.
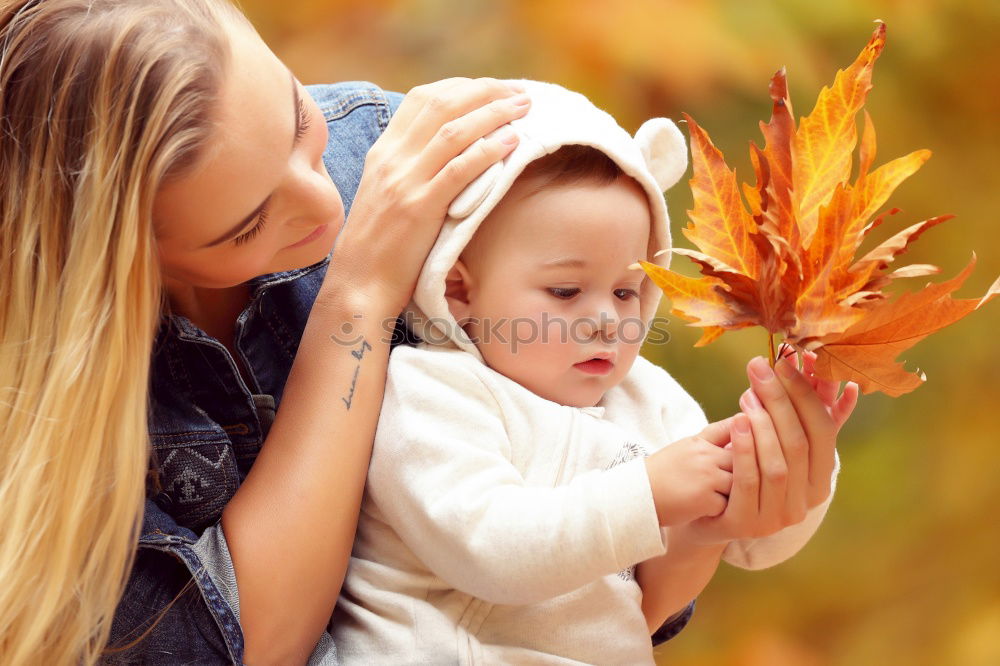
<point x="692" y="477"/>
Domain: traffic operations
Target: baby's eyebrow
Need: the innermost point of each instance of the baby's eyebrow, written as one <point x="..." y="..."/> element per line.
<point x="568" y="262"/>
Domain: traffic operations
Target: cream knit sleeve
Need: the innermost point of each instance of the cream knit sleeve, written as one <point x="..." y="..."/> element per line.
<point x="441" y="477"/>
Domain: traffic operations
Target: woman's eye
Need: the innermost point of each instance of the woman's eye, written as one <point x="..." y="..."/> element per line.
<point x="564" y="293"/>
<point x="626" y="294"/>
<point x="248" y="236"/>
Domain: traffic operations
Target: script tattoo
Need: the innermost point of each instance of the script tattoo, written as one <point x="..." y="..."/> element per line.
<point x="358" y="354"/>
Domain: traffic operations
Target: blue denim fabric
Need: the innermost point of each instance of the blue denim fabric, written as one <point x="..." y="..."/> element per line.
<point x="673" y="625"/>
<point x="207" y="425"/>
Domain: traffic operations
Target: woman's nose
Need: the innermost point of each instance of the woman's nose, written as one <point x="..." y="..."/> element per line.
<point x="313" y="198"/>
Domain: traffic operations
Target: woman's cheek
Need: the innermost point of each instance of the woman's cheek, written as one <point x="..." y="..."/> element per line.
<point x="243" y="264"/>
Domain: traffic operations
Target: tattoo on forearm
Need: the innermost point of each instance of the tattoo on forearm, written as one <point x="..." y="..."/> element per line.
<point x="358" y="354"/>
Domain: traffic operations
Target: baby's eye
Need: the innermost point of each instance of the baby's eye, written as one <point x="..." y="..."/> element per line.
<point x="564" y="293"/>
<point x="626" y="294"/>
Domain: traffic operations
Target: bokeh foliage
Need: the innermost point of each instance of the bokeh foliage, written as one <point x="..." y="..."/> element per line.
<point x="906" y="568"/>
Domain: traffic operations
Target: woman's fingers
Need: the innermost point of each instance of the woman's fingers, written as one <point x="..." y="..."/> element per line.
<point x="743" y="507"/>
<point x="771" y="462"/>
<point x="460" y="170"/>
<point x="446" y="101"/>
<point x="814" y="419"/>
<point x="821" y="431"/>
<point x="845" y="405"/>
<point x="459" y="137"/>
<point x="825" y="388"/>
<point x="791" y="470"/>
<point x="449" y="133"/>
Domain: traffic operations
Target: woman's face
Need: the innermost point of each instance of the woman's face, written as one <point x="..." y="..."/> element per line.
<point x="260" y="199"/>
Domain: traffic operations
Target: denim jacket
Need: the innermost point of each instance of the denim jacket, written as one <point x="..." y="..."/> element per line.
<point x="207" y="425"/>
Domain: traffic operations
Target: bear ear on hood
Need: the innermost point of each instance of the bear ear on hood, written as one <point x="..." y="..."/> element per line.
<point x="664" y="150"/>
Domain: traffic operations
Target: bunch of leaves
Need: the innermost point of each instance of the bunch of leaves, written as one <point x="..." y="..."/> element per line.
<point x="785" y="259"/>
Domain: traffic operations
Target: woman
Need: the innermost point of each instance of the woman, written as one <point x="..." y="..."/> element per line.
<point x="156" y="159"/>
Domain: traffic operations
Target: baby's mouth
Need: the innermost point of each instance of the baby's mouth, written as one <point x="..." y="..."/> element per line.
<point x="595" y="366"/>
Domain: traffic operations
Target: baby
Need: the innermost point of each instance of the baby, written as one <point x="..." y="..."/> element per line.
<point x="509" y="500"/>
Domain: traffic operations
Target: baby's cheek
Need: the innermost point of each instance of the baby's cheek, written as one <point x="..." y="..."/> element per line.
<point x="631" y="331"/>
<point x="524" y="332"/>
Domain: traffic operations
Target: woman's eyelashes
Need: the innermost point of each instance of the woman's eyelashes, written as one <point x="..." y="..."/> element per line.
<point x="248" y="236"/>
<point x="303" y="124"/>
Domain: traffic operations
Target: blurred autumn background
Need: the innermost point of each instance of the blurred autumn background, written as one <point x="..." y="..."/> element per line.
<point x="906" y="568"/>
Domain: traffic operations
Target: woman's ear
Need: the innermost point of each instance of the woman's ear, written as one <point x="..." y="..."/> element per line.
<point x="457" y="288"/>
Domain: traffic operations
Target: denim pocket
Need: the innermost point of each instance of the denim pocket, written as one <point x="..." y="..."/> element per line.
<point x="197" y="477"/>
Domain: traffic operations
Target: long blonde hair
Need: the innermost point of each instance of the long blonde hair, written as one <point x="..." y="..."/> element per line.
<point x="102" y="101"/>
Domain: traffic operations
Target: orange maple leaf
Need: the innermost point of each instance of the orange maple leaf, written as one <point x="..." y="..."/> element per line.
<point x="784" y="258"/>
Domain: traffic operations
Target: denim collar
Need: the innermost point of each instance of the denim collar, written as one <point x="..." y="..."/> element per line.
<point x="187" y="330"/>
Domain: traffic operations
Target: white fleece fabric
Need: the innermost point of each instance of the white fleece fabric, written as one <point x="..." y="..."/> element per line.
<point x="499" y="527"/>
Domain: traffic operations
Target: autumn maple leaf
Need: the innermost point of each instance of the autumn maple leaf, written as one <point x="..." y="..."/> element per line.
<point x="784" y="258"/>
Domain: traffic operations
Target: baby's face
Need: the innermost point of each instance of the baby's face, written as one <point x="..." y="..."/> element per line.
<point x="553" y="304"/>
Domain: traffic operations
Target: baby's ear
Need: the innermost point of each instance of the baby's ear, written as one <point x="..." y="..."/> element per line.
<point x="457" y="284"/>
<point x="664" y="150"/>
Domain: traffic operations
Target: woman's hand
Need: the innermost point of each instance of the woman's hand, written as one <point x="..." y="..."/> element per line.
<point x="427" y="155"/>
<point x="783" y="446"/>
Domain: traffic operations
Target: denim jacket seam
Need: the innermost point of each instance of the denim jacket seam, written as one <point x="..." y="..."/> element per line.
<point x="229" y="627"/>
<point x="176" y="435"/>
<point x="177" y="370"/>
<point x="261" y="285"/>
<point x="282" y="336"/>
<point x="353" y="101"/>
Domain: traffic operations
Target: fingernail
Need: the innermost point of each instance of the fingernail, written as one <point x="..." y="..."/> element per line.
<point x="741" y="426"/>
<point x="516" y="87"/>
<point x="751" y="400"/>
<point x="520" y="100"/>
<point x="507" y="136"/>
<point x="760" y="369"/>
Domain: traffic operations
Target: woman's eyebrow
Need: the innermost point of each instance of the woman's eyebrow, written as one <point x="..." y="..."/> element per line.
<point x="242" y="224"/>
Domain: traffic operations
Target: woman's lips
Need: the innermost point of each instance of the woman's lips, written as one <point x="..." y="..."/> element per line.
<point x="313" y="235"/>
<point x="595" y="366"/>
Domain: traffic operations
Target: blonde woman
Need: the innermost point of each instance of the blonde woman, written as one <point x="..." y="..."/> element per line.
<point x="193" y="341"/>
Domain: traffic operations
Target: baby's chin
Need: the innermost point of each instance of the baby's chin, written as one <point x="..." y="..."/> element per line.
<point x="583" y="393"/>
<point x="580" y="398"/>
<point x="575" y="397"/>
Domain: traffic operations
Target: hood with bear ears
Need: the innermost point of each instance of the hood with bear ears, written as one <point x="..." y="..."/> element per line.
<point x="656" y="158"/>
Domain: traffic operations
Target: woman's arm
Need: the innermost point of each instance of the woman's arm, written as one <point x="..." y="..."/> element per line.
<point x="291" y="524"/>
